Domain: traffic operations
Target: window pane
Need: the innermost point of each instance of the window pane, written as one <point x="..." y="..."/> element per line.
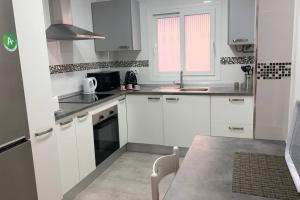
<point x="168" y="44"/>
<point x="197" y="43"/>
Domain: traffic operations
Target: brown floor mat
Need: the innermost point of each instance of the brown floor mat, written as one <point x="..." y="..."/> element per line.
<point x="263" y="175"/>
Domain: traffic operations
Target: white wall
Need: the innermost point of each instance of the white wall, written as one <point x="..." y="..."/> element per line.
<point x="83" y="51"/>
<point x="275" y="40"/>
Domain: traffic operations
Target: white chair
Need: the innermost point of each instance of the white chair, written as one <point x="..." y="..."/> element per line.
<point x="162" y="167"/>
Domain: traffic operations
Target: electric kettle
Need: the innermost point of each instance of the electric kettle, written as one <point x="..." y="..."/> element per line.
<point x="89" y="85"/>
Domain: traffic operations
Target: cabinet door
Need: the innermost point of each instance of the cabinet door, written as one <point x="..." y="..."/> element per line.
<point x="67" y="151"/>
<point x="85" y="144"/>
<point x="241" y="29"/>
<point x="113" y="20"/>
<point x="145" y="119"/>
<point x="119" y="21"/>
<point x="37" y="89"/>
<point x="122" y="118"/>
<point x="184" y="118"/>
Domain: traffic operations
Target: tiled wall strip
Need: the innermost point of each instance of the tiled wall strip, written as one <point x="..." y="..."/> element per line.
<point x="58" y="69"/>
<point x="237" y="60"/>
<point x="274" y="70"/>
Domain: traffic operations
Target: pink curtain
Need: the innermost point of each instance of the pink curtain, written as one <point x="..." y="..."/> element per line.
<point x="168" y="34"/>
<point x="197" y="43"/>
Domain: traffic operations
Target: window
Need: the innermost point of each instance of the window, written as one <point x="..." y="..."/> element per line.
<point x="168" y="36"/>
<point x="197" y="43"/>
<point x="184" y="41"/>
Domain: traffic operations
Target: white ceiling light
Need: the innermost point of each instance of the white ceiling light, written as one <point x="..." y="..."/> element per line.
<point x="207" y="1"/>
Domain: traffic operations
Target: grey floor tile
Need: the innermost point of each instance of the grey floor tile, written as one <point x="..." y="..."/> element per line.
<point x="128" y="178"/>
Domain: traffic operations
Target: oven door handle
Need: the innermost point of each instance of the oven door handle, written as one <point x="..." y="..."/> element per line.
<point x="106" y="122"/>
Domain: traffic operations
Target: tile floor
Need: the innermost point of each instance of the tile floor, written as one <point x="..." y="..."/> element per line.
<point x="128" y="178"/>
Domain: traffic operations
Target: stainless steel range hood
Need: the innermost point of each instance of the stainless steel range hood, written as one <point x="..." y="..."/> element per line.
<point x="62" y="27"/>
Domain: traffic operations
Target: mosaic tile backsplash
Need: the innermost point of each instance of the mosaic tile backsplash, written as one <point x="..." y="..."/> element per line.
<point x="237" y="60"/>
<point x="273" y="70"/>
<point x="58" y="69"/>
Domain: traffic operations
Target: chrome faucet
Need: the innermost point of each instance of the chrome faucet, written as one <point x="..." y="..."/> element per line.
<point x="181" y="85"/>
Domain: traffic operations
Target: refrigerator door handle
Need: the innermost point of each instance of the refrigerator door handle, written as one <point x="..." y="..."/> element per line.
<point x="44" y="132"/>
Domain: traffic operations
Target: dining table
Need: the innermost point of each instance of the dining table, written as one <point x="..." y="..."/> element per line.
<point x="206" y="171"/>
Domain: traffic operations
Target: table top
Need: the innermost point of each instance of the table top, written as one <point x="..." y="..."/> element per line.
<point x="206" y="171"/>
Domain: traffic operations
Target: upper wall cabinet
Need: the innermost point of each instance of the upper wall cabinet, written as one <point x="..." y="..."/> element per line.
<point x="119" y="22"/>
<point x="241" y="22"/>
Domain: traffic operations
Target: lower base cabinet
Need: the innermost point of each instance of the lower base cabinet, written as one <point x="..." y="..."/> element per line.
<point x="184" y="118"/>
<point x="85" y="144"/>
<point x="67" y="151"/>
<point x="76" y="149"/>
<point x="232" y="116"/>
<point x="145" y="119"/>
<point x="122" y="120"/>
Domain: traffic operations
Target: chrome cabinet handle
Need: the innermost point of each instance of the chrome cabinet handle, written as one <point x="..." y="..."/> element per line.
<point x="153" y="98"/>
<point x="172" y="99"/>
<point x="235" y="128"/>
<point x="66" y="122"/>
<point x="236" y="100"/>
<point x="123" y="47"/>
<point x="82" y="116"/>
<point x="43" y="133"/>
<point x="238" y="40"/>
<point x="122" y="101"/>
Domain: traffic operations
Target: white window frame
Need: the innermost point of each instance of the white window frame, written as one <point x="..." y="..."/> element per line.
<point x="181" y="12"/>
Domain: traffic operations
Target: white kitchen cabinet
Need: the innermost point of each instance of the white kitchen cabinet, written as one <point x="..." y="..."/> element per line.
<point x="241" y="22"/>
<point x="232" y="116"/>
<point x="119" y="22"/>
<point x="68" y="154"/>
<point x="33" y="52"/>
<point x="185" y="116"/>
<point x="85" y="144"/>
<point x="122" y="119"/>
<point x="145" y="119"/>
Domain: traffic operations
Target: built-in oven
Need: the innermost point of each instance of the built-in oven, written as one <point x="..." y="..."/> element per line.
<point x="106" y="133"/>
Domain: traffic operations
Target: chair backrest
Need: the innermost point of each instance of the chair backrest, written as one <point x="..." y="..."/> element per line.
<point x="292" y="149"/>
<point x="162" y="167"/>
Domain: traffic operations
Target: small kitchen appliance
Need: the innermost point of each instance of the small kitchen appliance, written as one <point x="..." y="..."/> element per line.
<point x="89" y="85"/>
<point x="130" y="78"/>
<point x="109" y="80"/>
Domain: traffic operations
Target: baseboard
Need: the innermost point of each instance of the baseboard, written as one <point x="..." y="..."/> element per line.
<point x="91" y="177"/>
<point x="154" y="149"/>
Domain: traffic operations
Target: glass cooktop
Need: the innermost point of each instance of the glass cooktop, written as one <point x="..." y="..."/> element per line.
<point x="84" y="98"/>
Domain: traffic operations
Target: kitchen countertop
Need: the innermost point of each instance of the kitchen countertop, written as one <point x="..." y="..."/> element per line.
<point x="68" y="109"/>
<point x="206" y="171"/>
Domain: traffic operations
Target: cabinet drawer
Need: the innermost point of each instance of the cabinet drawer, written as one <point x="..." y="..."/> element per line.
<point x="232" y="130"/>
<point x="236" y="110"/>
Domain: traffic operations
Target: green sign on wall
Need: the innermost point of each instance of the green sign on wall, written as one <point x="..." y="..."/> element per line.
<point x="9" y="41"/>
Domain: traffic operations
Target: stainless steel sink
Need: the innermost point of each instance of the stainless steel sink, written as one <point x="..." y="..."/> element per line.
<point x="183" y="90"/>
<point x="194" y="89"/>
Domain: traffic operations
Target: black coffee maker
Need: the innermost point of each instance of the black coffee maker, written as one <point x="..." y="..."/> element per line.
<point x="130" y="78"/>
